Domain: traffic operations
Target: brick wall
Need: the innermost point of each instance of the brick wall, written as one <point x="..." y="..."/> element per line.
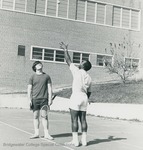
<point x="27" y="29"/>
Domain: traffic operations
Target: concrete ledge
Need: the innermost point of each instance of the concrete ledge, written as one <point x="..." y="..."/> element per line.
<point x="120" y="111"/>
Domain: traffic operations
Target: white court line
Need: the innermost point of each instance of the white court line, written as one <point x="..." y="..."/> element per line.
<point x="31" y="134"/>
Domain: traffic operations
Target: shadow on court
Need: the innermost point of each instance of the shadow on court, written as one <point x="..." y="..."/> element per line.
<point x="63" y="135"/>
<point x="16" y="126"/>
<point x="109" y="139"/>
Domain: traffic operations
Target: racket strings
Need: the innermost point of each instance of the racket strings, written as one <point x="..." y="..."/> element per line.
<point x="44" y="111"/>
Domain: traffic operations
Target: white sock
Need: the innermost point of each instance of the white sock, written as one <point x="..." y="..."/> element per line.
<point x="75" y="138"/>
<point x="83" y="138"/>
<point x="36" y="131"/>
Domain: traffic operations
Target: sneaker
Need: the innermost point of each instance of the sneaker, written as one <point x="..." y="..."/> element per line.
<point x="49" y="137"/>
<point x="76" y="144"/>
<point x="34" y="136"/>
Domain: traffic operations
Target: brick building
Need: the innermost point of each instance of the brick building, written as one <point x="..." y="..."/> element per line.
<point x="32" y="29"/>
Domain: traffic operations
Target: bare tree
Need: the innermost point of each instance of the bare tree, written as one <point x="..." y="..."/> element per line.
<point x="120" y="65"/>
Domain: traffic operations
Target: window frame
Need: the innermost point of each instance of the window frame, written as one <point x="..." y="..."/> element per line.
<point x="132" y="58"/>
<point x="104" y="55"/>
<point x="80" y="56"/>
<point x="137" y="28"/>
<point x="54" y="57"/>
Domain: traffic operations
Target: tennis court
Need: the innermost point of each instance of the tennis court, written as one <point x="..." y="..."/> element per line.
<point x="16" y="126"/>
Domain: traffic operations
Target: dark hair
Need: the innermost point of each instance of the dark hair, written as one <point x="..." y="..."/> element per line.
<point x="87" y="65"/>
<point x="34" y="65"/>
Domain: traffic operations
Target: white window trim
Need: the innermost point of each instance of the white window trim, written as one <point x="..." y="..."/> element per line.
<point x="85" y="11"/>
<point x="95" y="13"/>
<point x="46" y="6"/>
<point x="105" y="14"/>
<point x="103" y="62"/>
<point x="81" y="52"/>
<point x="68" y="2"/>
<point x="54" y="49"/>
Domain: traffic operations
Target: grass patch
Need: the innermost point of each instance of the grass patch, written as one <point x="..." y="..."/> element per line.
<point x="130" y="93"/>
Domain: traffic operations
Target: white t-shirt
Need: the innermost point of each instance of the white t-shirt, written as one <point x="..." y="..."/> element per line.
<point x="81" y="80"/>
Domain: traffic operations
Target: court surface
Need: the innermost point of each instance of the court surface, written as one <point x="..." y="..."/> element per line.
<point x="16" y="126"/>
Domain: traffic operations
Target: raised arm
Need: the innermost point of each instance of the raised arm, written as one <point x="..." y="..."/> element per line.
<point x="67" y="56"/>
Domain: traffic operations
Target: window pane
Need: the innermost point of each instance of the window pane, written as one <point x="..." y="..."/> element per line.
<point x="135" y="63"/>
<point x="76" y="57"/>
<point x="20" y="5"/>
<point x="31" y="6"/>
<point x="37" y="53"/>
<point x="51" y="7"/>
<point x="116" y="16"/>
<point x="40" y="7"/>
<point x="134" y="19"/>
<point x="49" y="55"/>
<point x="81" y="10"/>
<point x="100" y="13"/>
<point x="107" y="60"/>
<point x="85" y="57"/>
<point x="60" y="56"/>
<point x="90" y="16"/>
<point x="21" y="50"/>
<point x="100" y="59"/>
<point x="125" y="17"/>
<point x="8" y="4"/>
<point x="72" y="9"/>
<point x="62" y="11"/>
<point x="128" y="62"/>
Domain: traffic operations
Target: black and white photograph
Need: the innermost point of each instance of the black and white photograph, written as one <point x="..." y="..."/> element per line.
<point x="71" y="74"/>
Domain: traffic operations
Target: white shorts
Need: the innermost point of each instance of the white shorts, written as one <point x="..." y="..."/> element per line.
<point x="78" y="101"/>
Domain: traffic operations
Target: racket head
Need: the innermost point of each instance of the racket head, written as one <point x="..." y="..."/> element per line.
<point x="44" y="111"/>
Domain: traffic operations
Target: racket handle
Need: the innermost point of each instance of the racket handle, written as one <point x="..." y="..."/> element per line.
<point x="53" y="97"/>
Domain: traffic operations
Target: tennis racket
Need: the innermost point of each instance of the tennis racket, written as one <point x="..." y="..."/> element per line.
<point x="46" y="108"/>
<point x="31" y="105"/>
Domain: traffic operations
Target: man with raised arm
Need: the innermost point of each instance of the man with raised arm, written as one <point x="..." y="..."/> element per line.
<point x="81" y="91"/>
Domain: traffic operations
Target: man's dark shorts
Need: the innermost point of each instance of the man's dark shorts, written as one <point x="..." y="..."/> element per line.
<point x="38" y="103"/>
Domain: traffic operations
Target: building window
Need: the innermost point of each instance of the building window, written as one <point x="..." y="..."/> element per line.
<point x="21" y="50"/>
<point x="100" y="16"/>
<point x="134" y="19"/>
<point x="8" y="4"/>
<point x="132" y="63"/>
<point x="60" y="56"/>
<point x="82" y="10"/>
<point x="47" y="54"/>
<point x="37" y="53"/>
<point x="51" y="7"/>
<point x="76" y="57"/>
<point x="56" y="55"/>
<point x="20" y="5"/>
<point x="79" y="57"/>
<point x="62" y="8"/>
<point x="90" y="15"/>
<point x="116" y="16"/>
<point x="126" y="18"/>
<point x="103" y="60"/>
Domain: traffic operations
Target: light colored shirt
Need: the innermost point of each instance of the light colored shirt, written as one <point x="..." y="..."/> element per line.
<point x="81" y="80"/>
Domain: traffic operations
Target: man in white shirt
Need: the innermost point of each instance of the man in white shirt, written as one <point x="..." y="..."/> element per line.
<point x="81" y="91"/>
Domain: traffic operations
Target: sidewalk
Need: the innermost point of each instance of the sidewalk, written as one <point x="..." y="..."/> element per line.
<point x="118" y="111"/>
